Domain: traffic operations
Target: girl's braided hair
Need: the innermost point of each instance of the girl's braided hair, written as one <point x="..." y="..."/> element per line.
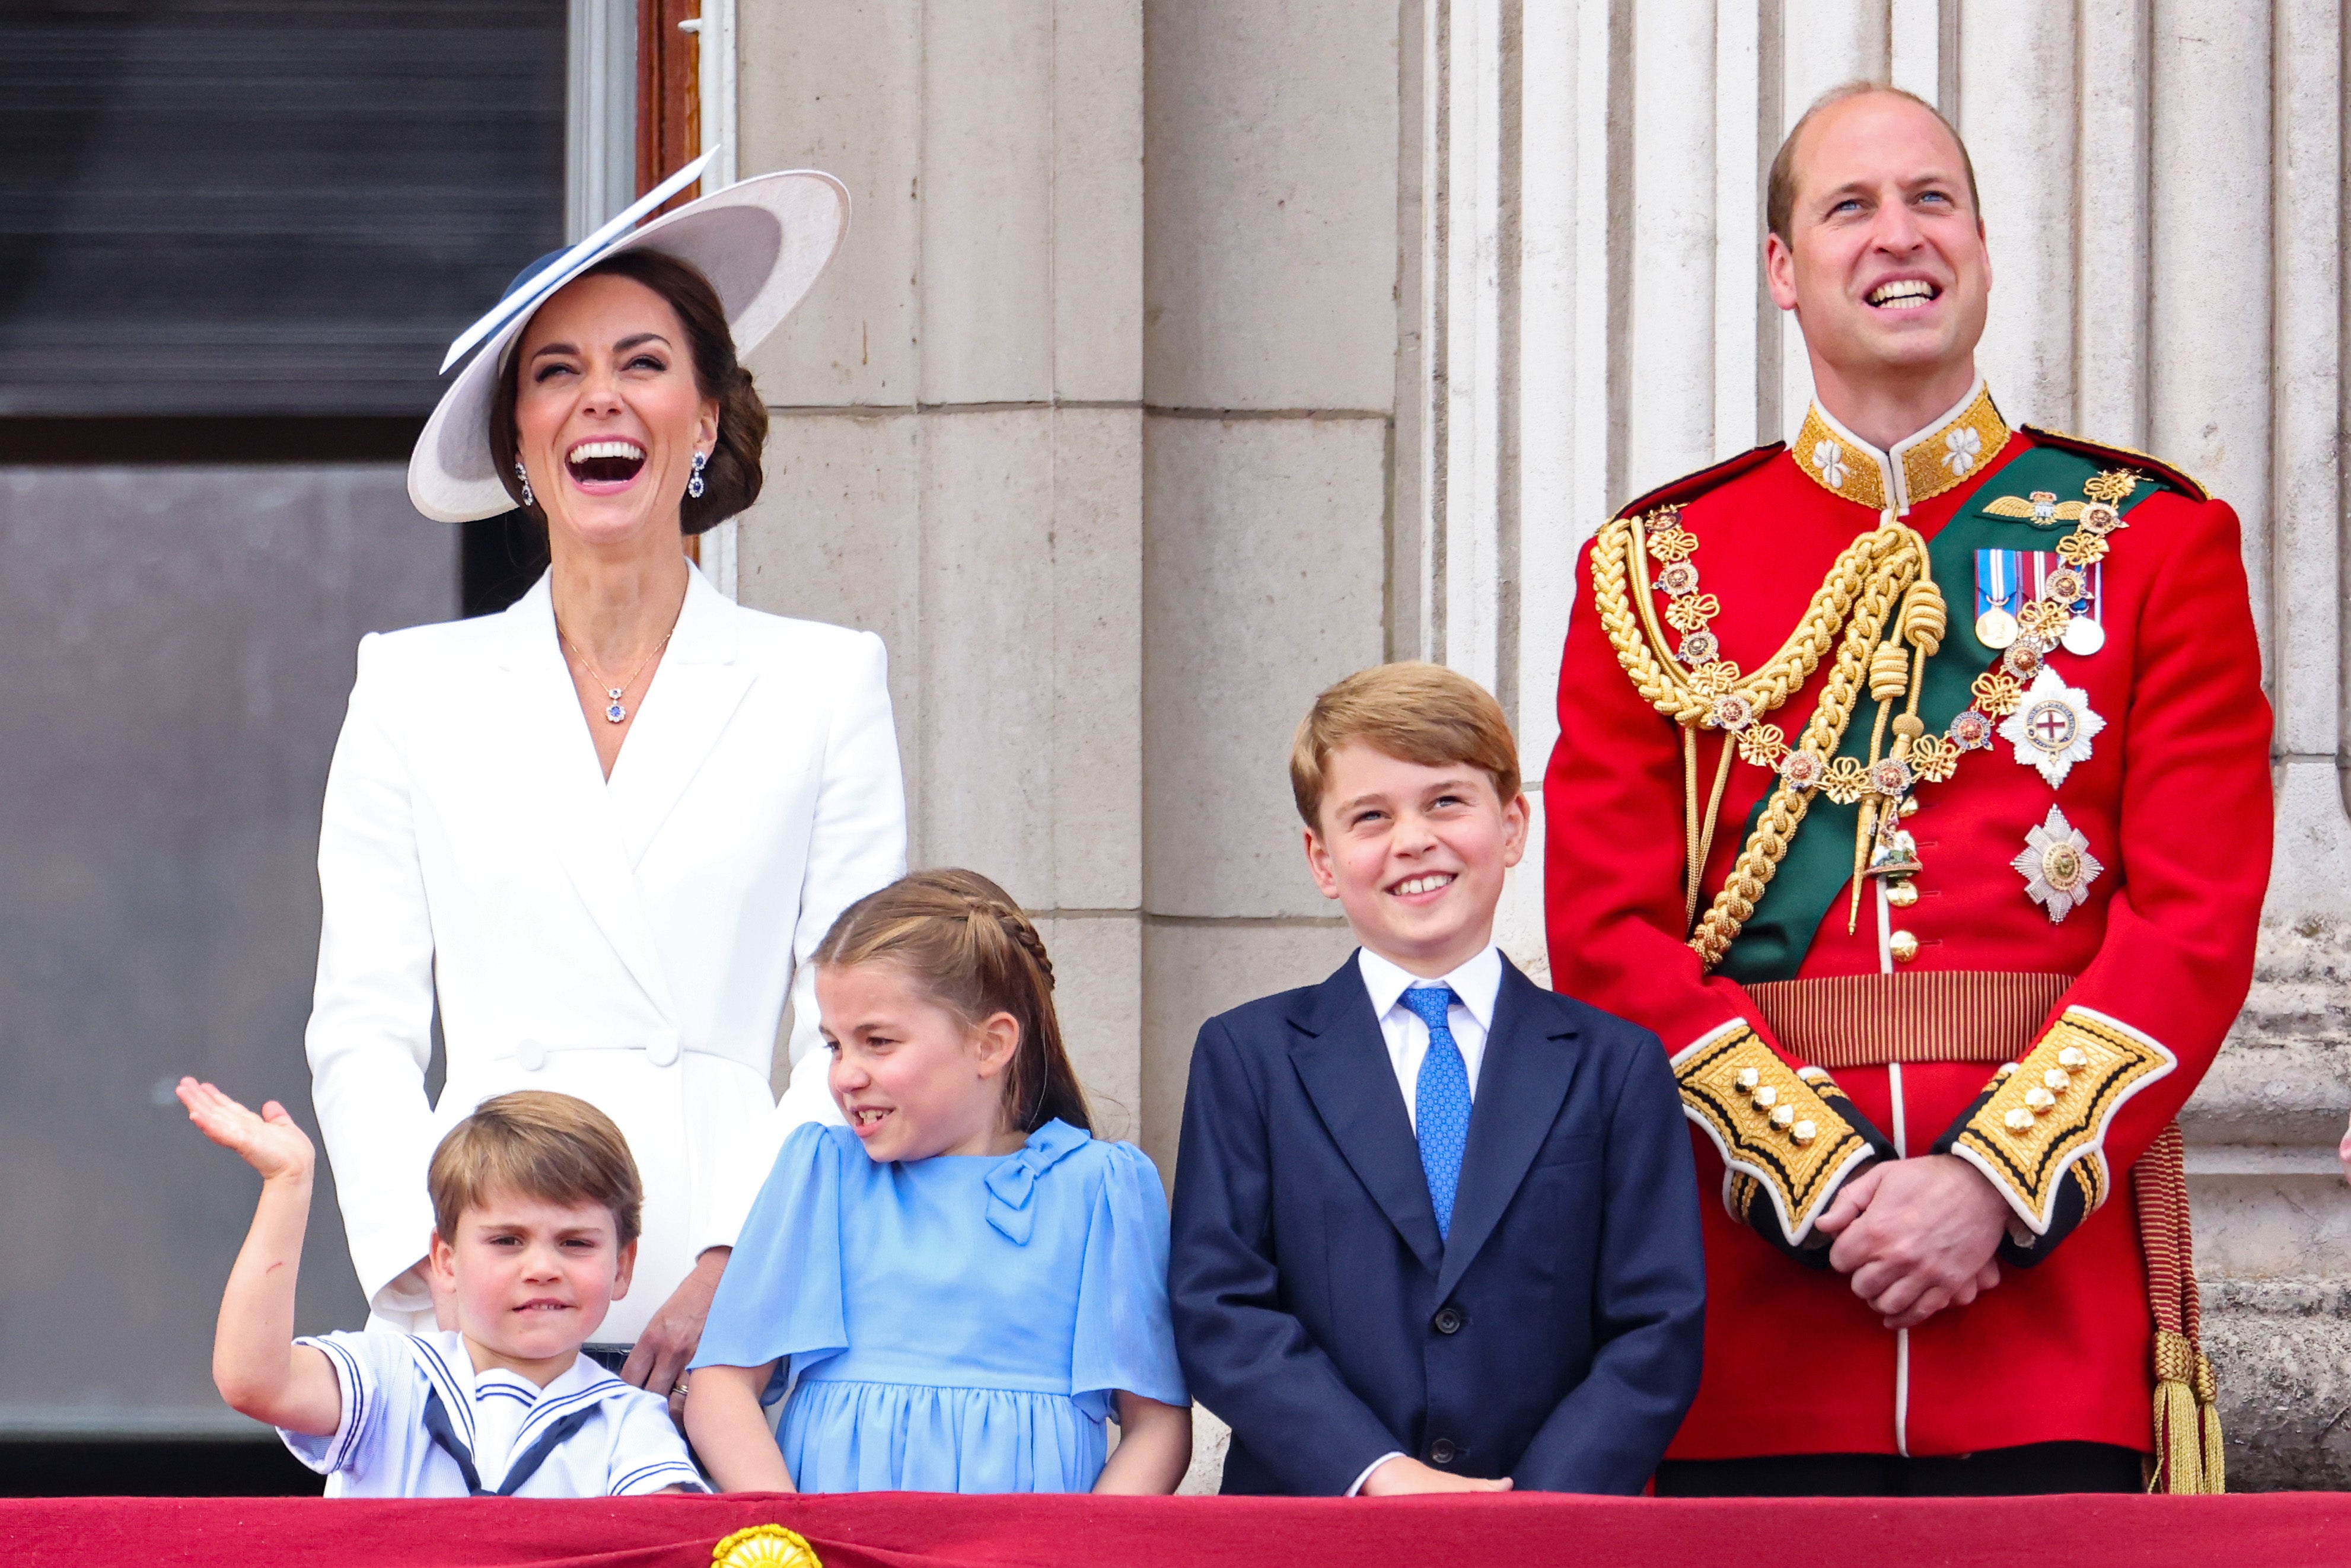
<point x="964" y="941"/>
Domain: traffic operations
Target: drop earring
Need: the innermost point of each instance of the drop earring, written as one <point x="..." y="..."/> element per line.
<point x="523" y="474"/>
<point x="694" y="484"/>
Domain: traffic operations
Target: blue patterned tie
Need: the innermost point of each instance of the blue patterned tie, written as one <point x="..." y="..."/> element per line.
<point x="1441" y="1102"/>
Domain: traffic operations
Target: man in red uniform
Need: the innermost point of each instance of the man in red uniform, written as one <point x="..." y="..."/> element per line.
<point x="1977" y="712"/>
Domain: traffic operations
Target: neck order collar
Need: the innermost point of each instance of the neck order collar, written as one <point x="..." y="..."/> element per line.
<point x="1946" y="454"/>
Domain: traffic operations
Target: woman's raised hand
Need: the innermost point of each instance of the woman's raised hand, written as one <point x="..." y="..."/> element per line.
<point x="270" y="1142"/>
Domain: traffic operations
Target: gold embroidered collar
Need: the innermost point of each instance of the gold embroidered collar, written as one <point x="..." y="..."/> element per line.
<point x="1946" y="453"/>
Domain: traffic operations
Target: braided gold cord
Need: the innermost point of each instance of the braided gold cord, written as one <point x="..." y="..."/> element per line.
<point x="1868" y="586"/>
<point x="1659" y="677"/>
<point x="1784" y="812"/>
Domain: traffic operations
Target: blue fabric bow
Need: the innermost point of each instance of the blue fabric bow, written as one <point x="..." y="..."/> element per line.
<point x="1013" y="1182"/>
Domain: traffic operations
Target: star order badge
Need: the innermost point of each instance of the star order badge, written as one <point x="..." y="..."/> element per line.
<point x="2057" y="866"/>
<point x="2052" y="727"/>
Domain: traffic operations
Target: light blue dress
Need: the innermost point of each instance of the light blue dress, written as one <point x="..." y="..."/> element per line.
<point x="958" y="1324"/>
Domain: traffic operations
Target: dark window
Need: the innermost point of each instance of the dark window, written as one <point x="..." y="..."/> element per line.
<point x="235" y="240"/>
<point x="220" y="206"/>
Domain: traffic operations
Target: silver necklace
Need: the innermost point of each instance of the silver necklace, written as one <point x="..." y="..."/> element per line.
<point x="615" y="712"/>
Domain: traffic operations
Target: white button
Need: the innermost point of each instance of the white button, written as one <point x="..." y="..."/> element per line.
<point x="531" y="1056"/>
<point x="662" y="1049"/>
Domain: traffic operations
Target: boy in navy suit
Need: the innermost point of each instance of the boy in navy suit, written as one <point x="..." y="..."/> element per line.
<point x="1435" y="1228"/>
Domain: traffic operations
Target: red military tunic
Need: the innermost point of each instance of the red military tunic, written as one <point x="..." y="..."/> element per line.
<point x="2173" y="801"/>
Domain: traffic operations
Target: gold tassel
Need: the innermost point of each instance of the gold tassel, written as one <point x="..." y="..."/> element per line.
<point x="2208" y="1412"/>
<point x="2180" y="1446"/>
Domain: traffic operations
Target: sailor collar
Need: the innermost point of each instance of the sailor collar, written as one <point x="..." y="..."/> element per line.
<point x="1947" y="454"/>
<point x="449" y="1374"/>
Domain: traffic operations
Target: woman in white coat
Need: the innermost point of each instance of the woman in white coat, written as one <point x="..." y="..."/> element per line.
<point x="603" y="830"/>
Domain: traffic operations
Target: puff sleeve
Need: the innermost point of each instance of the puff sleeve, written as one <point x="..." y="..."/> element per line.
<point x="781" y="1298"/>
<point x="1125" y="1336"/>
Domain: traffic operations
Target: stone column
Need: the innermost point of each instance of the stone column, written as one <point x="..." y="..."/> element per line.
<point x="956" y="459"/>
<point x="1270" y="329"/>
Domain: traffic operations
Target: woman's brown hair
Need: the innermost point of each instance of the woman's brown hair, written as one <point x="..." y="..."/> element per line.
<point x="731" y="478"/>
<point x="962" y="939"/>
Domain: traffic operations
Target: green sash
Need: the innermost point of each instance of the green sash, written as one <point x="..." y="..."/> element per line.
<point x="1819" y="864"/>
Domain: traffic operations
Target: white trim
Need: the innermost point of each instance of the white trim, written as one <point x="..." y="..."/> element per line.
<point x="600" y="114"/>
<point x="1702" y="1041"/>
<point x="1924" y="434"/>
<point x="1901" y="1123"/>
<point x="1884" y="929"/>
<point x="715" y="59"/>
<point x="1789" y="1226"/>
<point x="2096" y="1144"/>
<point x="1889" y="464"/>
<point x="1902" y="1392"/>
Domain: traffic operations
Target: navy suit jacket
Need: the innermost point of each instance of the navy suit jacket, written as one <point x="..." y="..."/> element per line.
<point x="1554" y="1338"/>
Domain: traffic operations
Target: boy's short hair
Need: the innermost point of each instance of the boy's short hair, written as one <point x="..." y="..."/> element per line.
<point x="553" y="1146"/>
<point x="1416" y="711"/>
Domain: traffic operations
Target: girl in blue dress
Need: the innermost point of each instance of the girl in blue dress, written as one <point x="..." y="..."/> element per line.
<point x="953" y="1291"/>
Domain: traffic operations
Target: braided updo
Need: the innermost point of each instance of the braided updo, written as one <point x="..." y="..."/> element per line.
<point x="964" y="941"/>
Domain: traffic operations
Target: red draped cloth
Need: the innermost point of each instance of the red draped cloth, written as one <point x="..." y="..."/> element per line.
<point x="907" y="1531"/>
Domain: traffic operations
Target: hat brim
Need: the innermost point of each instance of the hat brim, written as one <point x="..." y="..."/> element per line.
<point x="762" y="243"/>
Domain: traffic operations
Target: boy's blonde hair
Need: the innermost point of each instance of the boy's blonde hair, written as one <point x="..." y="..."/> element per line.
<point x="1414" y="711"/>
<point x="542" y="1144"/>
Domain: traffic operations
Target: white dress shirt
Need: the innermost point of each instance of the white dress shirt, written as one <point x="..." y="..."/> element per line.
<point x="1475" y="984"/>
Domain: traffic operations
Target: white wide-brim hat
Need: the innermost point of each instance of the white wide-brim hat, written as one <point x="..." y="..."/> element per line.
<point x="762" y="243"/>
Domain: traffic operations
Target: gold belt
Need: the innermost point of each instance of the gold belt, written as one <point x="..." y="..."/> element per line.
<point x="1947" y="1015"/>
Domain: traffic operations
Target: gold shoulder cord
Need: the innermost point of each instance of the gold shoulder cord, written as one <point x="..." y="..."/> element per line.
<point x="1881" y="570"/>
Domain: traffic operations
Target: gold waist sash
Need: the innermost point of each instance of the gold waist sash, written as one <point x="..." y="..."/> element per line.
<point x="1949" y="1015"/>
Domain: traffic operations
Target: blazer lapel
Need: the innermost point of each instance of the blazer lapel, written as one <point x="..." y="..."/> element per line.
<point x="561" y="789"/>
<point x="1521" y="1081"/>
<point x="694" y="694"/>
<point x="1344" y="1062"/>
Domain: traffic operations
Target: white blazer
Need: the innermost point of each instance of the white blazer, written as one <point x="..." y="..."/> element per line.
<point x="630" y="942"/>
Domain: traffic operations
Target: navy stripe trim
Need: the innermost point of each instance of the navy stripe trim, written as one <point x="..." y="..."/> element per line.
<point x="551" y="1410"/>
<point x="677" y="1468"/>
<point x="355" y="1407"/>
<point x="452" y="1392"/>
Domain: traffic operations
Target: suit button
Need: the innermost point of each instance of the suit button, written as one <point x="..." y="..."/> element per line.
<point x="662" y="1049"/>
<point x="1903" y="946"/>
<point x="1448" y="1320"/>
<point x="1441" y="1452"/>
<point x="531" y="1056"/>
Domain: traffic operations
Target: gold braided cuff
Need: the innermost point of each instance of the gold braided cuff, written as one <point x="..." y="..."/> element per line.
<point x="2049" y="1116"/>
<point x="1769" y="1123"/>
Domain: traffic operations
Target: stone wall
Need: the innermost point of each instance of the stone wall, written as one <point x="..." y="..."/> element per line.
<point x="1107" y="461"/>
<point x="1186" y="354"/>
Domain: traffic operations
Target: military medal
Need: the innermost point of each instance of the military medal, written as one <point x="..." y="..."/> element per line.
<point x="2029" y="605"/>
<point x="2057" y="866"/>
<point x="2085" y="634"/>
<point x="2052" y="727"/>
<point x="1995" y="591"/>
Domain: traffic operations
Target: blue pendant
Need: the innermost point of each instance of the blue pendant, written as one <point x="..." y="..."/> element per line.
<point x="616" y="713"/>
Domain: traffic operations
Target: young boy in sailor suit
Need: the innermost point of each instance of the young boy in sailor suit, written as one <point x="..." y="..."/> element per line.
<point x="534" y="1203"/>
